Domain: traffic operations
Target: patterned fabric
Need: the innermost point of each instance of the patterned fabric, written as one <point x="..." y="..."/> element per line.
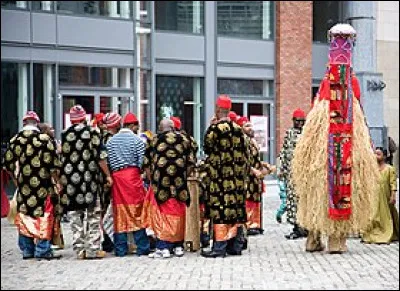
<point x="286" y="156"/>
<point x="35" y="153"/>
<point x="86" y="238"/>
<point x="227" y="166"/>
<point x="81" y="151"/>
<point x="254" y="188"/>
<point x="340" y="142"/>
<point x="169" y="155"/>
<point x="125" y="149"/>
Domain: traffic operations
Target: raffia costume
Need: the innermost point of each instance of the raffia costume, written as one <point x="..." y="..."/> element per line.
<point x="335" y="173"/>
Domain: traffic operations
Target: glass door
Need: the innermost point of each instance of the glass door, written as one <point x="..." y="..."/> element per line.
<point x="115" y="104"/>
<point x="68" y="101"/>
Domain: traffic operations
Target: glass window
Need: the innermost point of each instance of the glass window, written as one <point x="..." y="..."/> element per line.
<point x="184" y="16"/>
<point x="182" y="97"/>
<point x="14" y="4"/>
<point x="9" y="101"/>
<point x="325" y="15"/>
<point x="239" y="87"/>
<point x="121" y="9"/>
<point x="85" y="76"/>
<point x="245" y="19"/>
<point x="42" y="5"/>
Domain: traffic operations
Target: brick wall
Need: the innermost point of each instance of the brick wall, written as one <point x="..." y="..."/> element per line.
<point x="293" y="62"/>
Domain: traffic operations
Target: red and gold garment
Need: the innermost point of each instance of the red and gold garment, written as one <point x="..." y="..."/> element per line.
<point x="167" y="219"/>
<point x="340" y="87"/>
<point x="127" y="199"/>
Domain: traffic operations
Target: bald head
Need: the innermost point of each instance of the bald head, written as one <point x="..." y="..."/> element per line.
<point x="166" y="125"/>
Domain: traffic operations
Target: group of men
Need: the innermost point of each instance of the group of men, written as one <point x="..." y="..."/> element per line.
<point x="108" y="165"/>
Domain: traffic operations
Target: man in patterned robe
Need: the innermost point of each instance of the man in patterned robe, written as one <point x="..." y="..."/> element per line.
<point x="38" y="163"/>
<point x="227" y="166"/>
<point x="258" y="170"/>
<point x="168" y="160"/>
<point x="83" y="156"/>
<point x="289" y="144"/>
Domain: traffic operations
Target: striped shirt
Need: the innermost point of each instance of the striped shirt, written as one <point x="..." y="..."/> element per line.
<point x="125" y="149"/>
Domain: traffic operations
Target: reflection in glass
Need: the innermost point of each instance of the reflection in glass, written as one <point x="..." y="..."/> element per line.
<point x="245" y="19"/>
<point x="14" y="4"/>
<point x="240" y="87"/>
<point x="85" y="76"/>
<point x="325" y="15"/>
<point x="184" y="16"/>
<point x="122" y="9"/>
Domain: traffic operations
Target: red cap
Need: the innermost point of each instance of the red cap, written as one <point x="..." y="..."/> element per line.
<point x="112" y="120"/>
<point x="32" y="116"/>
<point x="233" y="116"/>
<point x="77" y="114"/>
<point x="299" y="114"/>
<point x="99" y="117"/>
<point x="130" y="118"/>
<point x="242" y="121"/>
<point x="177" y="122"/>
<point x="224" y="102"/>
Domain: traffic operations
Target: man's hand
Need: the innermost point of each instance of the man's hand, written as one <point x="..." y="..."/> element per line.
<point x="109" y="181"/>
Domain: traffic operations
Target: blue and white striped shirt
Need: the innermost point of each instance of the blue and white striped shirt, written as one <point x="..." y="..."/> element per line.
<point x="125" y="149"/>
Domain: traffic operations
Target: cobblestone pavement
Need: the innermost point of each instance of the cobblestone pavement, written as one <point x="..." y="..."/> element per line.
<point x="271" y="262"/>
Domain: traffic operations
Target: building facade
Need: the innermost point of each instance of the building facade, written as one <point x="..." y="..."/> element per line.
<point x="164" y="58"/>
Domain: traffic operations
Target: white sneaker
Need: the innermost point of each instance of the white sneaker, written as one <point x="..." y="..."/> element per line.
<point x="160" y="254"/>
<point x="156" y="254"/>
<point x="166" y="254"/>
<point x="178" y="251"/>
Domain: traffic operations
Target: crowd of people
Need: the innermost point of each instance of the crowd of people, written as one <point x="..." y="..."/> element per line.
<point x="128" y="192"/>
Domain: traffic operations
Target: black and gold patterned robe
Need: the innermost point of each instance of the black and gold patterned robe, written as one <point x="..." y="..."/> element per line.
<point x="169" y="155"/>
<point x="227" y="165"/>
<point x="254" y="188"/>
<point x="81" y="152"/>
<point x="37" y="158"/>
<point x="286" y="156"/>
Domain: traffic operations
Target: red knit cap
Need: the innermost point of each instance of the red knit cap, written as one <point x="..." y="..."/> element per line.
<point x="177" y="122"/>
<point x="130" y="118"/>
<point x="77" y="114"/>
<point x="99" y="117"/>
<point x="233" y="116"/>
<point x="224" y="102"/>
<point x="112" y="119"/>
<point x="32" y="116"/>
<point x="299" y="114"/>
<point x="242" y="121"/>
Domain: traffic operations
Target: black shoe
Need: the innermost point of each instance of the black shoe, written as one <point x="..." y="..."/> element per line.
<point x="213" y="254"/>
<point x="234" y="253"/>
<point x="28" y="257"/>
<point x="279" y="219"/>
<point x="293" y="235"/>
<point x="49" y="257"/>
<point x="253" y="231"/>
<point x="145" y="253"/>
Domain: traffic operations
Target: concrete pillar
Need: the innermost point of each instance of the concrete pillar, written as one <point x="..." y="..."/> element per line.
<point x="362" y="16"/>
<point x="114" y="84"/>
<point x="22" y="92"/>
<point x="48" y="99"/>
<point x="210" y="69"/>
<point x="293" y="62"/>
<point x="197" y="109"/>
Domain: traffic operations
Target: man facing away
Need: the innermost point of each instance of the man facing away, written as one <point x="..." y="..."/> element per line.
<point x="125" y="156"/>
<point x="83" y="156"/>
<point x="34" y="153"/>
<point x="227" y="164"/>
<point x="168" y="161"/>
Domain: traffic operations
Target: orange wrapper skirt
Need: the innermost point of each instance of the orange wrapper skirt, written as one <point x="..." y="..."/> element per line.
<point x="39" y="227"/>
<point x="127" y="200"/>
<point x="253" y="210"/>
<point x="166" y="220"/>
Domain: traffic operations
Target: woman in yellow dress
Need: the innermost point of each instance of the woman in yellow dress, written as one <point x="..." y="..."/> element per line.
<point x="385" y="224"/>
